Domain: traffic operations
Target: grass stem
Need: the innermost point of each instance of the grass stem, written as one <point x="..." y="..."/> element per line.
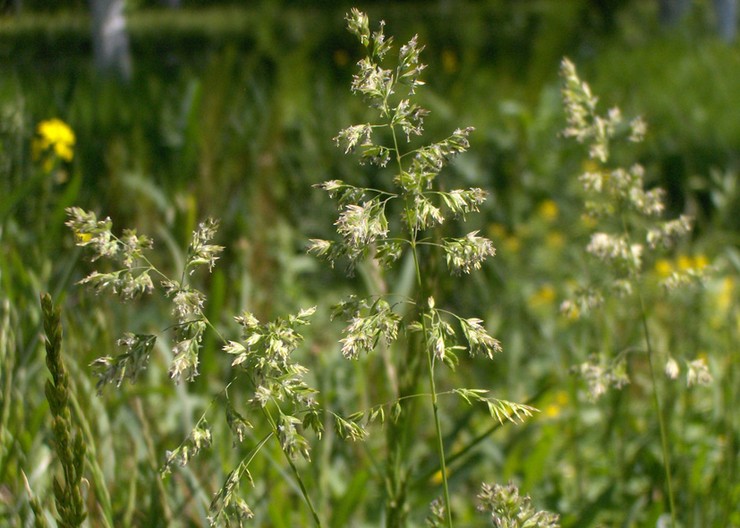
<point x="294" y="469"/>
<point x="430" y="360"/>
<point x="658" y="409"/>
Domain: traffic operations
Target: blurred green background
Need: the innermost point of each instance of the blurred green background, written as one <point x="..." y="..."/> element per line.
<point x="230" y="111"/>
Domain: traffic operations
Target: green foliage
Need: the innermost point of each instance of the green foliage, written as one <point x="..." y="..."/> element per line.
<point x="236" y="122"/>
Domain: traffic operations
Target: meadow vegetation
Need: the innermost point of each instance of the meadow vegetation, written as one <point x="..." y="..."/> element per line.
<point x="372" y="280"/>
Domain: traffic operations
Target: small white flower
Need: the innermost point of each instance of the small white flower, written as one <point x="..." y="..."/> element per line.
<point x="671" y="368"/>
<point x="698" y="373"/>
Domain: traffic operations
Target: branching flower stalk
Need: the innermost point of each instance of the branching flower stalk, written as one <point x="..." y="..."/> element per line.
<point x="367" y="233"/>
<point x="628" y="231"/>
<point x="262" y="356"/>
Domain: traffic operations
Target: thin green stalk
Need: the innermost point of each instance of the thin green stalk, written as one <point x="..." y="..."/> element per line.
<point x="430" y="359"/>
<point x="654" y="381"/>
<point x="396" y="481"/>
<point x="435" y="406"/>
<point x="97" y="476"/>
<point x="296" y="474"/>
<point x="304" y="491"/>
<point x="440" y="442"/>
<point x="658" y="409"/>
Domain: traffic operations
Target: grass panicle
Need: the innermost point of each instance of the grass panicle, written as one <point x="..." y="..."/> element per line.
<point x="368" y="231"/>
<point x="629" y="234"/>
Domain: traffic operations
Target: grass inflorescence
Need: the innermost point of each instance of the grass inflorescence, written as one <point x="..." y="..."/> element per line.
<point x="68" y="441"/>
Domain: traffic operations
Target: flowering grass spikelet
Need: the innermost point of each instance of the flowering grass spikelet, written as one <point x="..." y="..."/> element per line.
<point x="199" y="438"/>
<point x="466" y="254"/>
<point x="698" y="373"/>
<point x="127" y="365"/>
<point x="507" y="508"/>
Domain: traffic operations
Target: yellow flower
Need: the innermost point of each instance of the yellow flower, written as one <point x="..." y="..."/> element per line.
<point x="542" y="297"/>
<point x="56" y="136"/>
<point x="663" y="268"/>
<point x="701" y="262"/>
<point x="555" y="239"/>
<point x="83" y="238"/>
<point x="548" y="210"/>
<point x="555" y="407"/>
<point x="684" y="262"/>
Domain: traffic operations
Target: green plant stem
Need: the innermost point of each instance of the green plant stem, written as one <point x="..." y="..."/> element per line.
<point x="296" y="474"/>
<point x="440" y="441"/>
<point x="427" y="350"/>
<point x="304" y="491"/>
<point x="654" y="380"/>
<point x="396" y="476"/>
<point x="435" y="405"/>
<point x="658" y="408"/>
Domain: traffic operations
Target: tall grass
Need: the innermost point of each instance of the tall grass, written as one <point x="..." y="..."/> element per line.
<point x="228" y="126"/>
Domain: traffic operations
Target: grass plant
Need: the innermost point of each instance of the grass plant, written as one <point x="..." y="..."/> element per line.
<point x="205" y="379"/>
<point x="627" y="229"/>
<point x="262" y="356"/>
<point x="367" y="234"/>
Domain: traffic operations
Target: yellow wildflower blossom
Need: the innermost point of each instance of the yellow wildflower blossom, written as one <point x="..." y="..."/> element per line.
<point x="55" y="136"/>
<point x="663" y="268"/>
<point x="701" y="262"/>
<point x="83" y="238"/>
<point x="684" y="262"/>
<point x="555" y="408"/>
<point x="548" y="210"/>
<point x="542" y="297"/>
